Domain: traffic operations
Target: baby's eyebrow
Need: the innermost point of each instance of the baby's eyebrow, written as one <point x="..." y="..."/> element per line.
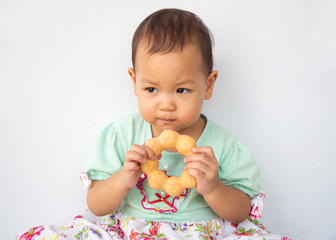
<point x="178" y="82"/>
<point x="185" y="81"/>
<point x="145" y="80"/>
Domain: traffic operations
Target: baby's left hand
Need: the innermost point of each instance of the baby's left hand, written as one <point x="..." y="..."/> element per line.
<point x="204" y="167"/>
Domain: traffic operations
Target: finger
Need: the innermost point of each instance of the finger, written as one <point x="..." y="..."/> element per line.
<point x="139" y="149"/>
<point x="204" y="149"/>
<point x="150" y="153"/>
<point x="197" y="165"/>
<point x="145" y="151"/>
<point x="131" y="156"/>
<point x="132" y="166"/>
<point x="207" y="151"/>
<point x="198" y="158"/>
<point x="196" y="173"/>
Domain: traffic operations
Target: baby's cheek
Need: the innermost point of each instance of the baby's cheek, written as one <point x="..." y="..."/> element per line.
<point x="146" y="113"/>
<point x="191" y="111"/>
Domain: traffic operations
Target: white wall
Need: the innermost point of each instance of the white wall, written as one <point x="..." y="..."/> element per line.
<point x="63" y="78"/>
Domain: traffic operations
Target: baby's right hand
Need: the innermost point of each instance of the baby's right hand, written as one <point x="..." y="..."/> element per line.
<point x="131" y="171"/>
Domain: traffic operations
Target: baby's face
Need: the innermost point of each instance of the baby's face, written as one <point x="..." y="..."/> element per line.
<point x="171" y="88"/>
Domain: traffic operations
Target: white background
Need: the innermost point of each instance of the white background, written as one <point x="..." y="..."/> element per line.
<point x="63" y="78"/>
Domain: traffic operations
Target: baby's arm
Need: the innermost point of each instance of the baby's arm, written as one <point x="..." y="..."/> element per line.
<point x="105" y="196"/>
<point x="229" y="203"/>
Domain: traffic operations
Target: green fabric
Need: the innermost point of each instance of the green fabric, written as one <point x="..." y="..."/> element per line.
<point x="237" y="167"/>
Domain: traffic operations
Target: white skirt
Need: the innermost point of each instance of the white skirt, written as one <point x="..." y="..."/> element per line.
<point x="118" y="226"/>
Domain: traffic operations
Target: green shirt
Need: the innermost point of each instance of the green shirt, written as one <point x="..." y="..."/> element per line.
<point x="237" y="168"/>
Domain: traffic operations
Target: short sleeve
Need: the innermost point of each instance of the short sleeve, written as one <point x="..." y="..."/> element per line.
<point x="238" y="169"/>
<point x="106" y="156"/>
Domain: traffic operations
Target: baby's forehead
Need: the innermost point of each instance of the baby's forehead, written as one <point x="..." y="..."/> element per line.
<point x="144" y="52"/>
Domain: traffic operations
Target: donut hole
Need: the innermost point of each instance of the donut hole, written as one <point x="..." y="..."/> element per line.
<point x="169" y="140"/>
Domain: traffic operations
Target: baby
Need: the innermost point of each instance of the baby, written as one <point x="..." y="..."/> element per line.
<point x="172" y="75"/>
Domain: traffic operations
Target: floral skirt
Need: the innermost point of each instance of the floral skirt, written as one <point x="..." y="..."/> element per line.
<point x="118" y="226"/>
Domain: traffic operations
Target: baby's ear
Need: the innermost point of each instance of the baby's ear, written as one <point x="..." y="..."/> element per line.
<point x="210" y="82"/>
<point x="131" y="72"/>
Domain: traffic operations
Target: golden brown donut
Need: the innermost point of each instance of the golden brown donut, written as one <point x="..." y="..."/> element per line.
<point x="158" y="179"/>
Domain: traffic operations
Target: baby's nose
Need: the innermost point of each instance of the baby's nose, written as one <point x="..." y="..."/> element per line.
<point x="167" y="103"/>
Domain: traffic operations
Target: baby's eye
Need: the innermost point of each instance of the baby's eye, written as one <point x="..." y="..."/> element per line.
<point x="182" y="90"/>
<point x="151" y="89"/>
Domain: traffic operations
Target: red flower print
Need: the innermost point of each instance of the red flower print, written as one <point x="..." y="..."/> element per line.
<point x="155" y="227"/>
<point x="133" y="235"/>
<point x="36" y="231"/>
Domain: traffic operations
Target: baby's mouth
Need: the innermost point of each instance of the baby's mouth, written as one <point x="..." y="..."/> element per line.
<point x="167" y="120"/>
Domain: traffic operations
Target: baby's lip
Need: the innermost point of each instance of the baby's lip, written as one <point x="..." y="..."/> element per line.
<point x="167" y="120"/>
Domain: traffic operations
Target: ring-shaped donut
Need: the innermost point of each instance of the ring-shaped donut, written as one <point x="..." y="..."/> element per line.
<point x="158" y="179"/>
